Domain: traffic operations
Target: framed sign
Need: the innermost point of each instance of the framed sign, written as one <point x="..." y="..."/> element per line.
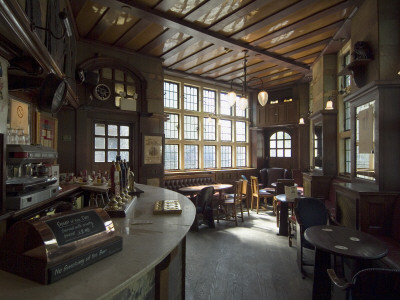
<point x="46" y="130"/>
<point x="19" y="115"/>
<point x="152" y="149"/>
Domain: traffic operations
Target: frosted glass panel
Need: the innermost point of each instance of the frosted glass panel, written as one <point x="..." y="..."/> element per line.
<point x="99" y="143"/>
<point x="124" y="143"/>
<point x="99" y="156"/>
<point x="112" y="156"/>
<point x="124" y="130"/>
<point x="112" y="143"/>
<point x="113" y="130"/>
<point x="100" y="129"/>
<point x="124" y="155"/>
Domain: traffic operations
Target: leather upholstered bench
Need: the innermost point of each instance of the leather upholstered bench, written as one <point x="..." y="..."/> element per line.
<point x="176" y="181"/>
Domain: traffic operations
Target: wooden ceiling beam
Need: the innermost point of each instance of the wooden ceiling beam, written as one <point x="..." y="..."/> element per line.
<point x="304" y="22"/>
<point x="168" y="20"/>
<point x="241" y="12"/>
<point x="202" y="9"/>
<point x="213" y="60"/>
<point x="229" y="75"/>
<point x="197" y="55"/>
<point x="307" y="36"/>
<point x="289" y="79"/>
<point x="162" y="38"/>
<point x="132" y="32"/>
<point x="308" y="47"/>
<point x="178" y="48"/>
<point x="273" y="18"/>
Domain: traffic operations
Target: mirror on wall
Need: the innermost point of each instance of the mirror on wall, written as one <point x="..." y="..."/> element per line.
<point x="318" y="146"/>
<point x="365" y="141"/>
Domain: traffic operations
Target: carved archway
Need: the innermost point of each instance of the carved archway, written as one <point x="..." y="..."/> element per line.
<point x="97" y="63"/>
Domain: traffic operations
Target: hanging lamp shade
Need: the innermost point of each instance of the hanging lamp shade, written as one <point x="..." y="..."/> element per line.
<point x="263" y="97"/>
<point x="242" y="103"/>
<point x="231" y="98"/>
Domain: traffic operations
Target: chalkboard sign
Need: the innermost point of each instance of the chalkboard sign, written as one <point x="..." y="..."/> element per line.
<point x="79" y="262"/>
<point x="77" y="226"/>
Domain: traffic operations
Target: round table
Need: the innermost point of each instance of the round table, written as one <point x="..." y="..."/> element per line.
<point x="341" y="241"/>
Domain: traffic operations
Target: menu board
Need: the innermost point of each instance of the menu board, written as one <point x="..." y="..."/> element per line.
<point x="77" y="226"/>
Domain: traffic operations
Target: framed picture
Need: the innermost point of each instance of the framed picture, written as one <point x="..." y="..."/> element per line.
<point x="19" y="115"/>
<point x="46" y="130"/>
<point x="152" y="149"/>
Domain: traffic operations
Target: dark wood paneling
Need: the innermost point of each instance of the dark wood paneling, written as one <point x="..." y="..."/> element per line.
<point x="362" y="207"/>
<point x="2" y="172"/>
<point x="316" y="185"/>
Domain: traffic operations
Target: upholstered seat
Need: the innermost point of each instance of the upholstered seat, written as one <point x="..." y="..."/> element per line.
<point x="204" y="208"/>
<point x="309" y="212"/>
<point x="271" y="175"/>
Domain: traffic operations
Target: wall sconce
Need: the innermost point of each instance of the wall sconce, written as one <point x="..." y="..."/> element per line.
<point x="301" y="121"/>
<point x="329" y="105"/>
<point x="66" y="26"/>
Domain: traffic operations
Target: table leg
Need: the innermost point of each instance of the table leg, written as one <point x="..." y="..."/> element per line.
<point x="321" y="281"/>
<point x="283" y="227"/>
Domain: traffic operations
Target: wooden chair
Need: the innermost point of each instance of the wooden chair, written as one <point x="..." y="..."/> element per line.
<point x="280" y="189"/>
<point x="257" y="193"/>
<point x="231" y="203"/>
<point x="368" y="284"/>
<point x="243" y="195"/>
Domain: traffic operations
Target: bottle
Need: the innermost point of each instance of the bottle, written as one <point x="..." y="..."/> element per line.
<point x="123" y="173"/>
<point x="112" y="177"/>
<point x="127" y="169"/>
<point x="117" y="178"/>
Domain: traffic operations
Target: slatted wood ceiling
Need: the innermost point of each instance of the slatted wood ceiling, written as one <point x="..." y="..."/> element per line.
<point x="206" y="39"/>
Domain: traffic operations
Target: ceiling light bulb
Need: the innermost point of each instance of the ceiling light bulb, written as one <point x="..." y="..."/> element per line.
<point x="242" y="103"/>
<point x="263" y="97"/>
<point x="231" y="98"/>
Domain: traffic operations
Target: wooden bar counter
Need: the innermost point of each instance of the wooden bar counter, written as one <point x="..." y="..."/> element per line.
<point x="151" y="263"/>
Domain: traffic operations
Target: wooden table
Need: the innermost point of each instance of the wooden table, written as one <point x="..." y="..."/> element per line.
<point x="283" y="226"/>
<point x="193" y="190"/>
<point x="341" y="241"/>
<point x="218" y="187"/>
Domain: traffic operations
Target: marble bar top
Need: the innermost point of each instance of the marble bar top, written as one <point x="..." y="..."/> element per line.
<point x="144" y="246"/>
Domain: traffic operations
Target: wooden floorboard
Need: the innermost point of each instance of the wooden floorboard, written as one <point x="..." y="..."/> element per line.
<point x="245" y="262"/>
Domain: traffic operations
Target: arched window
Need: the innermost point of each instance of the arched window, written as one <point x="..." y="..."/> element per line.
<point x="280" y="145"/>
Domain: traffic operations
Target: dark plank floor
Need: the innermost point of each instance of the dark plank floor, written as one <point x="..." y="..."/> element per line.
<point x="245" y="262"/>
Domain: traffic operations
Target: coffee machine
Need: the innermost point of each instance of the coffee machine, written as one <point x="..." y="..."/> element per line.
<point x="28" y="180"/>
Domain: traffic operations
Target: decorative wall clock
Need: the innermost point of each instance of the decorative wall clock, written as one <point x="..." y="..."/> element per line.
<point x="102" y="92"/>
